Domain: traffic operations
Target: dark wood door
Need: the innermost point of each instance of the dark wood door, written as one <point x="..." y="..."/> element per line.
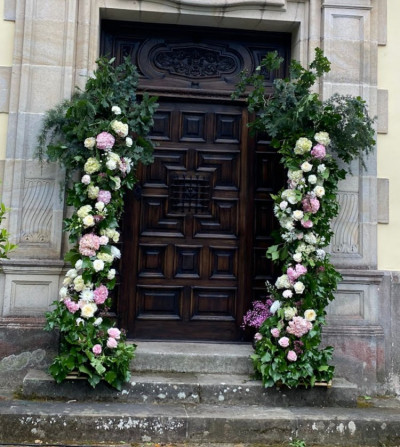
<point x="196" y="232"/>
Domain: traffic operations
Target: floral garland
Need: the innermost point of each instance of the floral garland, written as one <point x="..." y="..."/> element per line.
<point x="306" y="132"/>
<point x="288" y="338"/>
<point x="106" y="158"/>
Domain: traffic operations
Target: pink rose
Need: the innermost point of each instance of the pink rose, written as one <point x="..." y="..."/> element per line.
<point x="105" y="141"/>
<point x="104" y="196"/>
<point x="291" y="356"/>
<point x="275" y="332"/>
<point x="114" y="333"/>
<point x="100" y="294"/>
<point x="96" y="349"/>
<point x="306" y="223"/>
<point x="318" y="151"/>
<point x="112" y="343"/>
<point x="283" y="342"/>
<point x="258" y="336"/>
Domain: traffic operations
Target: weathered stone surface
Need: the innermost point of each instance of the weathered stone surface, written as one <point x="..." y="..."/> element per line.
<point x="217" y="358"/>
<point x="190" y="388"/>
<point x="99" y="422"/>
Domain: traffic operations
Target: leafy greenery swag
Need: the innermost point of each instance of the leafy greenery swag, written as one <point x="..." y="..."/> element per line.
<point x="310" y="135"/>
<point x="101" y="134"/>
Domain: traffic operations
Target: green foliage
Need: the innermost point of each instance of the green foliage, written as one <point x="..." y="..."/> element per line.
<point x="293" y="111"/>
<point x="5" y="245"/>
<point x="87" y="113"/>
<point x="295" y="118"/>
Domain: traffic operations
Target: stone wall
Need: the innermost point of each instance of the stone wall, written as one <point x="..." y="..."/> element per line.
<point x="56" y="45"/>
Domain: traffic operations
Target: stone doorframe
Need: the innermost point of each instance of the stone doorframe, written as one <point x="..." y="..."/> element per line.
<point x="56" y="45"/>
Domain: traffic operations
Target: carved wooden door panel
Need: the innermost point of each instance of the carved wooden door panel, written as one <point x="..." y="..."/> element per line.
<point x="189" y="256"/>
<point x="195" y="237"/>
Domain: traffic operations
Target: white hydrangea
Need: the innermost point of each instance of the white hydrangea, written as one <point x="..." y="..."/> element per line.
<point x="78" y="264"/>
<point x="303" y="145"/>
<point x="128" y="141"/>
<point x="283" y="282"/>
<point x="295" y="176"/>
<point x="322" y="138"/>
<point x="105" y="257"/>
<point x="310" y="238"/>
<point x="84" y="211"/>
<point x="120" y="128"/>
<point x="79" y="283"/>
<point x="320" y="254"/>
<point x="291" y="196"/>
<point x="63" y="292"/>
<point x="321" y="168"/>
<point x="93" y="192"/>
<point x="116" y="110"/>
<point x="290" y="312"/>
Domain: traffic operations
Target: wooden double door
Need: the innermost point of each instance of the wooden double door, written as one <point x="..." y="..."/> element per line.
<point x="198" y="224"/>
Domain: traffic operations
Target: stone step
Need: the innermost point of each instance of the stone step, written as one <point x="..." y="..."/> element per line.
<point x="215" y="358"/>
<point x="94" y="422"/>
<point x="189" y="388"/>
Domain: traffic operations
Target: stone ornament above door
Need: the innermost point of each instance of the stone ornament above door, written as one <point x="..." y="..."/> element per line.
<point x="227" y="3"/>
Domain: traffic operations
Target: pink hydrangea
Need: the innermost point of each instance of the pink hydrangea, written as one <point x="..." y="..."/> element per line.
<point x="97" y="349"/>
<point x="104" y="196"/>
<point x="310" y="204"/>
<point x="291" y="356"/>
<point x="318" y="151"/>
<point x="298" y="326"/>
<point x="104" y="240"/>
<point x="114" y="333"/>
<point x="112" y="343"/>
<point x="275" y="332"/>
<point x="71" y="305"/>
<point x="89" y="244"/>
<point x="283" y="342"/>
<point x="100" y="294"/>
<point x="105" y="141"/>
<point x="306" y="223"/>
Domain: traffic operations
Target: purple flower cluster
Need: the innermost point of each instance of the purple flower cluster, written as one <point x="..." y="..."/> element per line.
<point x="255" y="317"/>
